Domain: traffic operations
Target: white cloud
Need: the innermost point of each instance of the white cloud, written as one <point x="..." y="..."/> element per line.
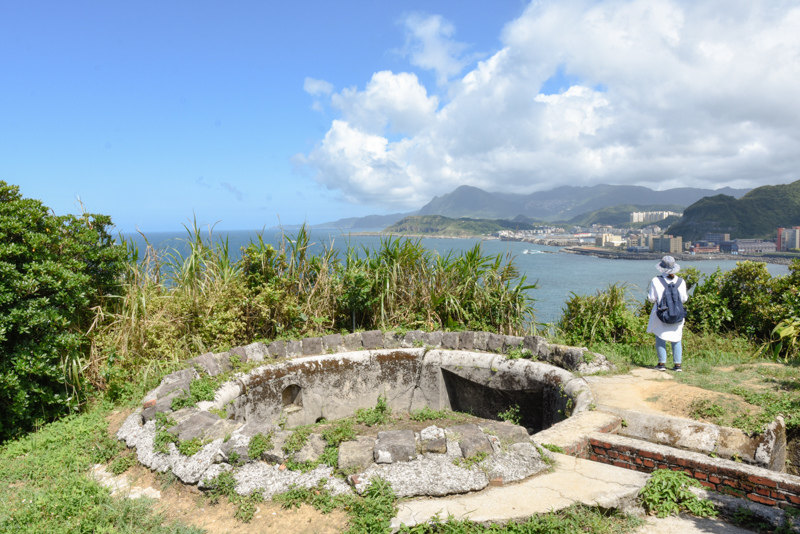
<point x="317" y="87"/>
<point x="430" y="46"/>
<point x="670" y="93"/>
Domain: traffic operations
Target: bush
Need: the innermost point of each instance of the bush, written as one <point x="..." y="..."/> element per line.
<point x="53" y="271"/>
<point x="605" y="317"/>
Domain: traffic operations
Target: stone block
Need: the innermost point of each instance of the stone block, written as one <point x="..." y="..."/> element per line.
<point x="162" y="405"/>
<point x="436" y="446"/>
<point x="372" y="339"/>
<point x="433" y="339"/>
<point x="312" y="346"/>
<point x="392" y="340"/>
<point x="206" y="363"/>
<point x="257" y="427"/>
<point x="512" y="342"/>
<point x="256" y="352"/>
<point x="194" y="426"/>
<point x="224" y="361"/>
<point x="312" y="450"/>
<point x="413" y="339"/>
<point x="450" y="340"/>
<point x="474" y="444"/>
<point x="480" y="341"/>
<point x="431" y="432"/>
<point x="240" y="352"/>
<point x="179" y="380"/>
<point x="459" y="431"/>
<point x="332" y="343"/>
<point x="466" y="341"/>
<point x="352" y="341"/>
<point x="276" y="455"/>
<point x="495" y="343"/>
<point x="507" y="432"/>
<point x="294" y="348"/>
<point x="221" y="429"/>
<point x="357" y="455"/>
<point x="395" y="446"/>
<point x="277" y="349"/>
<point x="535" y="344"/>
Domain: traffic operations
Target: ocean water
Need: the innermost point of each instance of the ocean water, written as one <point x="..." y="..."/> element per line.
<point x="556" y="275"/>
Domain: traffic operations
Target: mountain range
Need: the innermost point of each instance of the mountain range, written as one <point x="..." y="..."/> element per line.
<point x="563" y="204"/>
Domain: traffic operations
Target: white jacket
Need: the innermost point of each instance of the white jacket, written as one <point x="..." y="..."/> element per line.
<point x="667" y="332"/>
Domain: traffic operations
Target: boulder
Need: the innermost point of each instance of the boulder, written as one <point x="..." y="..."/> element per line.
<point x="311" y="451"/>
<point x="395" y="446"/>
<point x="507" y="432"/>
<point x="356" y="455"/>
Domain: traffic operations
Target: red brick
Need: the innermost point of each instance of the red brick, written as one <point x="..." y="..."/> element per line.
<point x="763" y="500"/>
<point x="708" y="484"/>
<point x="497" y="481"/>
<point x="612" y="454"/>
<point x="594" y="458"/>
<point x="637" y="461"/>
<point x="731" y="483"/>
<point x="619" y="464"/>
<point x="662" y="466"/>
<point x="715" y="480"/>
<point x="699" y="475"/>
<point x="793" y="499"/>
<point x="763" y="491"/>
<point x="647" y="454"/>
<point x="731" y="491"/>
<point x="683" y="462"/>
<point x="762" y="481"/>
<point x="775" y="495"/>
<point x="649" y="463"/>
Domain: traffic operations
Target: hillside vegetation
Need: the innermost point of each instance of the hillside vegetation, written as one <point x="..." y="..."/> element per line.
<point x="758" y="214"/>
<point x="436" y="225"/>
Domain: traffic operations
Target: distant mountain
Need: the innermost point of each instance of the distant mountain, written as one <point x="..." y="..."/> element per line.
<point x="757" y="214"/>
<point x="620" y="216"/>
<point x="436" y="225"/>
<point x="369" y="222"/>
<point x="562" y="203"/>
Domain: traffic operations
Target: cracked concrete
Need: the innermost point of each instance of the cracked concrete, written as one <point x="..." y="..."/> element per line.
<point x="572" y="480"/>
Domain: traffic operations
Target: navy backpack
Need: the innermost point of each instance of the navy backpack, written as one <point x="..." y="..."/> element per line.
<point x="670" y="309"/>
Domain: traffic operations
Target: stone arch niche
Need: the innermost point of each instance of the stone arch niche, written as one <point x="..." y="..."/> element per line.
<point x="335" y="386"/>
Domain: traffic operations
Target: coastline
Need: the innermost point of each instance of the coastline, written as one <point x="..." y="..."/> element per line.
<point x="427" y="236"/>
<point x="655" y="256"/>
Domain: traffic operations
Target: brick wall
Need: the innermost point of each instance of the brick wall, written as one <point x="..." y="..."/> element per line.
<point x="741" y="480"/>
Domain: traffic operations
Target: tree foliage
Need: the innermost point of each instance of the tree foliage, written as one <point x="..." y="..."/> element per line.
<point x="53" y="271"/>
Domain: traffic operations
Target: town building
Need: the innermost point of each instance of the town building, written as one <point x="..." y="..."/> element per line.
<point x="667" y="244"/>
<point x="716" y="238"/>
<point x="788" y="238"/>
<point x="704" y="247"/>
<point x="652" y="216"/>
<point x="747" y="246"/>
<point x="608" y="240"/>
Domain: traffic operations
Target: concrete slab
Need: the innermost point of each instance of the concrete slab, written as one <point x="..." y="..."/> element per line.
<point x="573" y="480"/>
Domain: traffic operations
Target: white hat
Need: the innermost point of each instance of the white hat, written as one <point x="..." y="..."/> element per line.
<point x="668" y="265"/>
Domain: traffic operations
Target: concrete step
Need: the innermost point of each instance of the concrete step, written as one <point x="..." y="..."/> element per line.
<point x="573" y="480"/>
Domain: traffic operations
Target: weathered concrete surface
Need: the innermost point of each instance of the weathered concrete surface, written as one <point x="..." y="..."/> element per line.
<point x="120" y="485"/>
<point x="573" y="480"/>
<point x="395" y="446"/>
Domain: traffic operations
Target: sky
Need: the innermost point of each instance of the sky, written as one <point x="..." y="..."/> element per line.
<point x="248" y="114"/>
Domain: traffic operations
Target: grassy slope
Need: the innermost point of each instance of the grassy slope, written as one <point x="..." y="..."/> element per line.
<point x="436" y="225"/>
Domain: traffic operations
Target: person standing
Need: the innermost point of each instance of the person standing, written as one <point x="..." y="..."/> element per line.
<point x="663" y="331"/>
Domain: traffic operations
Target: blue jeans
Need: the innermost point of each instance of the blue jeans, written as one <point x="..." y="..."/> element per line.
<point x="661" y="351"/>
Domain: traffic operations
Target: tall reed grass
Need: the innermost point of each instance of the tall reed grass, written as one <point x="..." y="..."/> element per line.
<point x="175" y="304"/>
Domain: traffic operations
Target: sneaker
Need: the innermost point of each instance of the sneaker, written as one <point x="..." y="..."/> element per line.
<point x="660" y="367"/>
<point x="677" y="368"/>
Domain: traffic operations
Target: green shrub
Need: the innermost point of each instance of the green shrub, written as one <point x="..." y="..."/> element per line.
<point x="379" y="415"/>
<point x="53" y="271"/>
<point x="259" y="444"/>
<point x="604" y="317"/>
<point x="667" y="492"/>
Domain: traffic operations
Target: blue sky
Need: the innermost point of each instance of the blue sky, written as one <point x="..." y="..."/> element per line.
<point x="246" y="112"/>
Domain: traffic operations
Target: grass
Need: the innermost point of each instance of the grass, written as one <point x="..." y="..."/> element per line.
<point x="379" y="415"/>
<point x="44" y="486"/>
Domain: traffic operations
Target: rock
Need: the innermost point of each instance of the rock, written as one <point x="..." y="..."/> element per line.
<point x="392" y="340"/>
<point x="240" y="352"/>
<point x="480" y="341"/>
<point x="206" y="363"/>
<point x="162" y="405"/>
<point x="312" y="450"/>
<point x="179" y="380"/>
<point x="431" y="432"/>
<point x="495" y="343"/>
<point x="537" y="345"/>
<point x="432" y="339"/>
<point x="466" y="341"/>
<point x="277" y="349"/>
<point x="194" y="426"/>
<point x="395" y="446"/>
<point x="437" y="446"/>
<point x="373" y="339"/>
<point x="450" y="340"/>
<point x="256" y="352"/>
<point x="312" y="346"/>
<point x="507" y="432"/>
<point x="221" y="429"/>
<point x="224" y="361"/>
<point x="512" y="342"/>
<point x="276" y="455"/>
<point x="294" y="349"/>
<point x="358" y="455"/>
<point x="352" y="341"/>
<point x="257" y="427"/>
<point x="332" y="343"/>
<point x="474" y="444"/>
<point x="413" y="339"/>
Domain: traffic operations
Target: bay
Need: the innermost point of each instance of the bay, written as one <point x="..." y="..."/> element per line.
<point x="556" y="275"/>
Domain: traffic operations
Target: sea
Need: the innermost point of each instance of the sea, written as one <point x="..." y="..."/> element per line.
<point x="556" y="275"/>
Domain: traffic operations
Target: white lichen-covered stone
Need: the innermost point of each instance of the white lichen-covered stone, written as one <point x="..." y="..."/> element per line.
<point x="271" y="480"/>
